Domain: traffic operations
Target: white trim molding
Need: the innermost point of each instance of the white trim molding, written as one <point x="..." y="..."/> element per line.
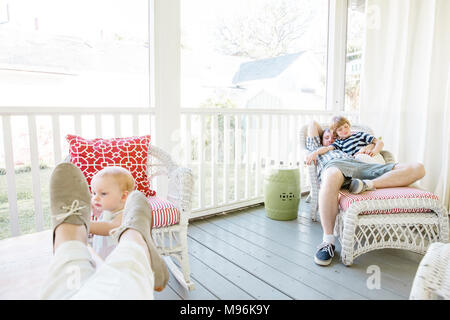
<point x="337" y="49"/>
<point x="165" y="30"/>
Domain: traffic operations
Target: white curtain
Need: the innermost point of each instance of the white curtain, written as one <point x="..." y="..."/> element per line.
<point x="405" y="84"/>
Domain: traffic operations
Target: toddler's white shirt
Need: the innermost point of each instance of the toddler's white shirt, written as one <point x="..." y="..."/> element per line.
<point x="104" y="245"/>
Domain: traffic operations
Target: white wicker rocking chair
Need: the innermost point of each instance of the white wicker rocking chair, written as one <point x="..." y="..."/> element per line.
<point x="359" y="234"/>
<point x="171" y="240"/>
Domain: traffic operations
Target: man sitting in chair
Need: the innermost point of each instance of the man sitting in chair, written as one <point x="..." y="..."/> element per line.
<point x="336" y="170"/>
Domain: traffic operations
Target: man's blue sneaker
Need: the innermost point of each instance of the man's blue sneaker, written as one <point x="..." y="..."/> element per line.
<point x="324" y="254"/>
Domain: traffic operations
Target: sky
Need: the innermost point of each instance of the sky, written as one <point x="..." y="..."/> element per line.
<point x="83" y="18"/>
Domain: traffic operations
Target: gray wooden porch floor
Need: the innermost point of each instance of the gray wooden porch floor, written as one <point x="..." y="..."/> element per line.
<point x="245" y="255"/>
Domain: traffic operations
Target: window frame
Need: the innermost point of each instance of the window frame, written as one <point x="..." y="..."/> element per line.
<point x="337" y="51"/>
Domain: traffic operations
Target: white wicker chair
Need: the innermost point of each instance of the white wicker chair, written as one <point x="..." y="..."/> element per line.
<point x="171" y="241"/>
<point x="359" y="234"/>
<point x="432" y="280"/>
<point x="314" y="194"/>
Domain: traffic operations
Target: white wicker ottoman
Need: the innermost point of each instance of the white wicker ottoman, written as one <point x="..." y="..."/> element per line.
<point x="399" y="218"/>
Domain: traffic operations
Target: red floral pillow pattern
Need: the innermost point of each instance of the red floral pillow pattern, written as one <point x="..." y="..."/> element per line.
<point x="92" y="155"/>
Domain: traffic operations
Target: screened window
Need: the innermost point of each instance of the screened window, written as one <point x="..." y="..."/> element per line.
<point x="254" y="54"/>
<point x="74" y="53"/>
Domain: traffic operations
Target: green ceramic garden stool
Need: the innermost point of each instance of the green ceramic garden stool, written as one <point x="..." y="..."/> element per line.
<point x="282" y="193"/>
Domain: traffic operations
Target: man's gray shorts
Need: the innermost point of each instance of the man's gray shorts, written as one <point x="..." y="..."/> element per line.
<point x="351" y="168"/>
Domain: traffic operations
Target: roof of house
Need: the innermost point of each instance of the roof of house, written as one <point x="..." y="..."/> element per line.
<point x="264" y="68"/>
<point x="70" y="54"/>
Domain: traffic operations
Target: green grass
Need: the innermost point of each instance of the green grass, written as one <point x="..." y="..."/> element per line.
<point x="25" y="202"/>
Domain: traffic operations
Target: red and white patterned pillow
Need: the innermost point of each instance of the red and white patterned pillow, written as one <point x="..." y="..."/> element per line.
<point x="346" y="199"/>
<point x="92" y="155"/>
<point x="164" y="212"/>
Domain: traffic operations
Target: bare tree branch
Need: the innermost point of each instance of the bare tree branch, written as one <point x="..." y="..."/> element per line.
<point x="271" y="31"/>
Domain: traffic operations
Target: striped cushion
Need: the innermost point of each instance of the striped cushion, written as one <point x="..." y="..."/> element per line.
<point x="346" y="199"/>
<point x="165" y="213"/>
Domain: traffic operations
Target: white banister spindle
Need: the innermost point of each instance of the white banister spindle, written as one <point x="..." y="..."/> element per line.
<point x="237" y="155"/>
<point x="34" y="156"/>
<point x="268" y="144"/>
<point x="152" y="124"/>
<point x="10" y="176"/>
<point x="117" y="126"/>
<point x="259" y="141"/>
<point x="295" y="132"/>
<point x="289" y="142"/>
<point x="247" y="154"/>
<point x="299" y="122"/>
<point x="135" y="124"/>
<point x="98" y="125"/>
<point x="277" y="151"/>
<point x="188" y="144"/>
<point x="281" y="142"/>
<point x="214" y="153"/>
<point x="293" y="139"/>
<point x="77" y="124"/>
<point x="201" y="161"/>
<point x="56" y="131"/>
<point x="226" y="156"/>
<point x="285" y="137"/>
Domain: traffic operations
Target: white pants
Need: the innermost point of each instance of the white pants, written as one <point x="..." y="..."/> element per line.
<point x="125" y="274"/>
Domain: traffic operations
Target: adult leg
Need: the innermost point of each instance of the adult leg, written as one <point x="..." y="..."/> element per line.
<point x="72" y="264"/>
<point x="125" y="274"/>
<point x="332" y="180"/>
<point x="400" y="176"/>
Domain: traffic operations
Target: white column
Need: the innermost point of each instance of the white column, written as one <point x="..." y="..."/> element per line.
<point x="337" y="50"/>
<point x="165" y="70"/>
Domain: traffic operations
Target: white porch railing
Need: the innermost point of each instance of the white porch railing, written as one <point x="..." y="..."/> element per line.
<point x="230" y="148"/>
<point x="227" y="149"/>
<point x="88" y="122"/>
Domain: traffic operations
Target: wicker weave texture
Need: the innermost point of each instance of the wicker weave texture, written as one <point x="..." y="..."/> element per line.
<point x="171" y="241"/>
<point x="432" y="280"/>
